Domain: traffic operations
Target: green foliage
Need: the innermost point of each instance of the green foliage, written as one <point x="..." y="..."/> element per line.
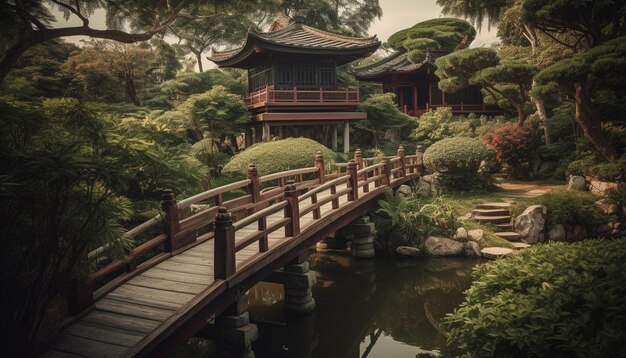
<point x="611" y="171"/>
<point x="456" y="154"/>
<point x="438" y="124"/>
<point x="280" y="155"/>
<point x="558" y="300"/>
<point x="186" y="84"/>
<point x="382" y="114"/>
<point x="414" y="218"/>
<point x="567" y="207"/>
<point x="466" y="182"/>
<point x="445" y="35"/>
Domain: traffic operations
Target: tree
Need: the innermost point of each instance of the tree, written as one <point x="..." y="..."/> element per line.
<point x="27" y="23"/>
<point x="477" y="11"/>
<point x="435" y="35"/>
<point x="382" y="115"/>
<point x="505" y="81"/>
<point x="217" y="114"/>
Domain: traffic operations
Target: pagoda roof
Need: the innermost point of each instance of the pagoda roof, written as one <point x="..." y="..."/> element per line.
<point x="295" y="38"/>
<point x="396" y="63"/>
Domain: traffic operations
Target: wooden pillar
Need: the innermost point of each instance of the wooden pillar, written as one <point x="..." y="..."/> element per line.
<point x="334" y="137"/>
<point x="292" y="211"/>
<point x="248" y="136"/>
<point x="353" y="181"/>
<point x="280" y="133"/>
<point x="402" y="161"/>
<point x="224" y="251"/>
<point x="358" y="158"/>
<point x="414" y="100"/>
<point x="266" y="132"/>
<point x="346" y="137"/>
<point x="172" y="225"/>
<point x="319" y="164"/>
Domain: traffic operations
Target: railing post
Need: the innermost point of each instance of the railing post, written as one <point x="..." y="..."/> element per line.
<point x="358" y="158"/>
<point x="321" y="95"/>
<point x="224" y="250"/>
<point x="319" y="164"/>
<point x="353" y="181"/>
<point x="254" y="188"/>
<point x="292" y="210"/>
<point x="172" y="225"/>
<point x="387" y="171"/>
<point x="81" y="295"/>
<point x="295" y="95"/>
<point x="335" y="202"/>
<point x="402" y="161"/>
<point x="419" y="159"/>
<point x="347" y="95"/>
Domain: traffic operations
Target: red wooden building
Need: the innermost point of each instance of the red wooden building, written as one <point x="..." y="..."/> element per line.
<point x="292" y="81"/>
<point x="415" y="86"/>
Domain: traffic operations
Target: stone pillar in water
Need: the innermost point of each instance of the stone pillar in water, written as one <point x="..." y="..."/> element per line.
<point x="235" y="333"/>
<point x="297" y="281"/>
<point x="362" y="231"/>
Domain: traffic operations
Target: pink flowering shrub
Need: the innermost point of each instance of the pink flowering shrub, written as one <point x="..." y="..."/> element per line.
<point x="516" y="145"/>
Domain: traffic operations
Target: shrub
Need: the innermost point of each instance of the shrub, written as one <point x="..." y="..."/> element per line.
<point x="382" y="114"/>
<point x="554" y="300"/>
<point x="456" y="154"/>
<point x="466" y="182"/>
<point x="515" y="145"/>
<point x="277" y="156"/>
<point x="565" y="207"/>
<point x="611" y="171"/>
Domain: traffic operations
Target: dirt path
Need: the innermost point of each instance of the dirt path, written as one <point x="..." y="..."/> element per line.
<point x="512" y="189"/>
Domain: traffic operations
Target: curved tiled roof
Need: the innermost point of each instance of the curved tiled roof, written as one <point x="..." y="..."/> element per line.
<point x="295" y="38"/>
<point x="397" y="62"/>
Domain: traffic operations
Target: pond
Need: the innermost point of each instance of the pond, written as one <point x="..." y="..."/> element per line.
<point x="381" y="307"/>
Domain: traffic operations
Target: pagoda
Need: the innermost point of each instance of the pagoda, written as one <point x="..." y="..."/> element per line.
<point x="292" y="81"/>
<point x="416" y="86"/>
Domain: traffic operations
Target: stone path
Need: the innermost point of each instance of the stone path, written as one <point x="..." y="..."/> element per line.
<point x="512" y="190"/>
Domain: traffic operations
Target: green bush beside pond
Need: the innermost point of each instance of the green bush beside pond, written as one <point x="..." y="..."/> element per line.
<point x="553" y="300"/>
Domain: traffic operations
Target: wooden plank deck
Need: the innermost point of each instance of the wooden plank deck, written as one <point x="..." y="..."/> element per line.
<point x="124" y="317"/>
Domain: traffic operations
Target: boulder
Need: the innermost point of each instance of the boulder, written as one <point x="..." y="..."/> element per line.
<point x="531" y="224"/>
<point x="576" y="182"/>
<point x="441" y="246"/>
<point x="461" y="234"/>
<point x="471" y="249"/>
<point x="557" y="233"/>
<point x="408" y="251"/>
<point x="475" y="235"/>
<point x="602" y="187"/>
<point x="429" y="184"/>
<point x="607" y="207"/>
<point x="547" y="167"/>
<point x="579" y="232"/>
<point x="404" y="191"/>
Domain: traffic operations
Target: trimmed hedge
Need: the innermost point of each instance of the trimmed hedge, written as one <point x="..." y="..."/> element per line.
<point x="456" y="154"/>
<point x="280" y="155"/>
<point x="554" y="300"/>
<point x="567" y="207"/>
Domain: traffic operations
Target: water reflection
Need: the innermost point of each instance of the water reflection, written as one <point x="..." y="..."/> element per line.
<point x="364" y="308"/>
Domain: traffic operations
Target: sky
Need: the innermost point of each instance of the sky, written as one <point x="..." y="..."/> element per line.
<point x="397" y="15"/>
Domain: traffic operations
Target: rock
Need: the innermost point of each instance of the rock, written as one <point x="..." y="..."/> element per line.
<point x="429" y="184"/>
<point x="531" y="224"/>
<point x="461" y="234"/>
<point x="602" y="187"/>
<point x="557" y="233"/>
<point x="495" y="252"/>
<point x="605" y="228"/>
<point x="520" y="245"/>
<point x="617" y="225"/>
<point x="546" y="167"/>
<point x="441" y="246"/>
<point x="578" y="233"/>
<point x="576" y="183"/>
<point x="404" y="191"/>
<point x="607" y="207"/>
<point x="471" y="249"/>
<point x="475" y="235"/>
<point x="408" y="251"/>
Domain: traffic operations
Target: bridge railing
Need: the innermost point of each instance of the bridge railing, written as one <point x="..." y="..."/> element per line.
<point x="181" y="227"/>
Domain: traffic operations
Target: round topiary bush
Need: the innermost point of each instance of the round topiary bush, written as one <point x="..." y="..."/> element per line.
<point x="280" y="155"/>
<point x="456" y="154"/>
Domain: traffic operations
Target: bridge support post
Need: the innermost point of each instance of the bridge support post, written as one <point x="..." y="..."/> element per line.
<point x="362" y="231"/>
<point x="297" y="281"/>
<point x="224" y="251"/>
<point x="402" y="161"/>
<point x="235" y="333"/>
<point x="353" y="181"/>
<point x="419" y="159"/>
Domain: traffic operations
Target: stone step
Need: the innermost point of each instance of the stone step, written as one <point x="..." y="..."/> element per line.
<point x="493" y="206"/>
<point x="520" y="245"/>
<point x="504" y="227"/>
<point x="493" y="219"/>
<point x="495" y="252"/>
<point x="509" y="235"/>
<point x="491" y="212"/>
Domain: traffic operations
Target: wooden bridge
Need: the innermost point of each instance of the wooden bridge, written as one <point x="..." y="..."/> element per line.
<point x="200" y="262"/>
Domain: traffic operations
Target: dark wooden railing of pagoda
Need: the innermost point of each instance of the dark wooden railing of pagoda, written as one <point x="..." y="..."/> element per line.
<point x="268" y="96"/>
<point x="291" y="194"/>
<point x="456" y="108"/>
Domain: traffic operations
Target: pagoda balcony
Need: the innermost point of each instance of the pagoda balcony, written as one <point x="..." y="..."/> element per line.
<point x="456" y="109"/>
<point x="304" y="99"/>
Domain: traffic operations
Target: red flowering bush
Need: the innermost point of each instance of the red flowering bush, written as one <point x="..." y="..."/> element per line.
<point x="516" y="145"/>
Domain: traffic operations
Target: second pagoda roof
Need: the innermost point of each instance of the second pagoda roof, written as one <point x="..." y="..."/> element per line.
<point x="396" y="63"/>
<point x="296" y="38"/>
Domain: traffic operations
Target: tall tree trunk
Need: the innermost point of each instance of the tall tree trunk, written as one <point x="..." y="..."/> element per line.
<point x="521" y="117"/>
<point x="589" y="121"/>
<point x="199" y="58"/>
<point x="541" y="112"/>
<point x="131" y="91"/>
